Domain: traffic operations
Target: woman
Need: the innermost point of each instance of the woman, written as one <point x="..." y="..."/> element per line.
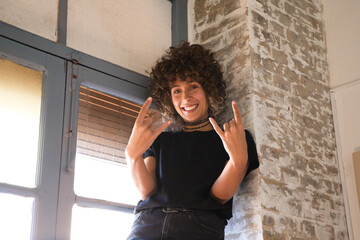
<point x="187" y="177"/>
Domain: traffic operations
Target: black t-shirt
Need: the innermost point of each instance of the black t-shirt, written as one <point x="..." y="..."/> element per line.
<point x="187" y="165"/>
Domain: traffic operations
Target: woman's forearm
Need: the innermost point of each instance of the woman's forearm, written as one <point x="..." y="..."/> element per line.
<point x="143" y="174"/>
<point x="226" y="185"/>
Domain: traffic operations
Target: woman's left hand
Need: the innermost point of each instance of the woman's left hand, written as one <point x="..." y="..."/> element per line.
<point x="233" y="137"/>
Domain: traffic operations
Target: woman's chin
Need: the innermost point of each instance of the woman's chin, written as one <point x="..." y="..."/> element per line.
<point x="190" y="120"/>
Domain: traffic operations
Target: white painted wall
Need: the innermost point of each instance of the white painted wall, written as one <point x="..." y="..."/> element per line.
<point x="129" y="33"/>
<point x="347" y="118"/>
<point x="38" y="17"/>
<point x="342" y="28"/>
<point x="191" y="20"/>
<point x="342" y="20"/>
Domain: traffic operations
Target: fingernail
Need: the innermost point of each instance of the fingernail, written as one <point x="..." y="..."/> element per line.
<point x="149" y="98"/>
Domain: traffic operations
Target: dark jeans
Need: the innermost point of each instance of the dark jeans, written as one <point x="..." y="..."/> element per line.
<point x="157" y="224"/>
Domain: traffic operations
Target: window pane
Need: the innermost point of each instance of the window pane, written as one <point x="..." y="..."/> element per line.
<point x="20" y="103"/>
<point x="96" y="178"/>
<point x="92" y="223"/>
<point x="15" y="217"/>
<point x="104" y="127"/>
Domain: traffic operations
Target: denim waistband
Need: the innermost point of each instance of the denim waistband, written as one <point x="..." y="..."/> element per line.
<point x="175" y="209"/>
<point x="182" y="210"/>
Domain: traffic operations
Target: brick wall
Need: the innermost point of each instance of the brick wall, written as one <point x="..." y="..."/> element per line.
<point x="273" y="54"/>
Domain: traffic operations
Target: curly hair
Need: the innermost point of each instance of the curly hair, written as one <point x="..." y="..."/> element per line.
<point x="182" y="62"/>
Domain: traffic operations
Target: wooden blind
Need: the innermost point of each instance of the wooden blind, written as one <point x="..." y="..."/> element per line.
<point x="104" y="125"/>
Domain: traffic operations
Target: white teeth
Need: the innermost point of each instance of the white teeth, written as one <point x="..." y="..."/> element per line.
<point x="190" y="108"/>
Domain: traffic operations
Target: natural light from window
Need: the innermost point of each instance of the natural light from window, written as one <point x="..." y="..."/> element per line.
<point x="100" y="179"/>
<point x="95" y="224"/>
<point x="15" y="216"/>
<point x="20" y="105"/>
<point x="103" y="185"/>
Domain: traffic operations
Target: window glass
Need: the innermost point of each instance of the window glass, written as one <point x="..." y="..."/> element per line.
<point x="16" y="216"/>
<point x="95" y="224"/>
<point x="20" y="105"/>
<point x="104" y="127"/>
<point x="107" y="180"/>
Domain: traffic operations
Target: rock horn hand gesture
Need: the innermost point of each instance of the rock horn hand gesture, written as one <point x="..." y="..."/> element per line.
<point x="233" y="137"/>
<point x="143" y="133"/>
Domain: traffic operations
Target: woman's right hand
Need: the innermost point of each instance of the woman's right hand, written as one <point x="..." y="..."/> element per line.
<point x="143" y="133"/>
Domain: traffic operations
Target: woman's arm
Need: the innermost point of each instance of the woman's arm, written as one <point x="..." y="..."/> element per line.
<point x="234" y="141"/>
<point x="142" y="136"/>
<point x="143" y="174"/>
<point x="227" y="183"/>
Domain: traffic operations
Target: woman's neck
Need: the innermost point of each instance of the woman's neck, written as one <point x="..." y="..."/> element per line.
<point x="202" y="125"/>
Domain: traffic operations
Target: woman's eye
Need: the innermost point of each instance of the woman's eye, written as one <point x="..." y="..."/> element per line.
<point x="193" y="87"/>
<point x="176" y="91"/>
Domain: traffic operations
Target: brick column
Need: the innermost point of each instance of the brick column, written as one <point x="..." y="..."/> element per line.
<point x="273" y="54"/>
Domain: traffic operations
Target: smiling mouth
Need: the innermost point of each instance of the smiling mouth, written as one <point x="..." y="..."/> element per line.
<point x="190" y="108"/>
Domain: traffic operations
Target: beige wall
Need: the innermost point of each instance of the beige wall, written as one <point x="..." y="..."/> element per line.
<point x="347" y="102"/>
<point x="132" y="34"/>
<point x="343" y="37"/>
<point x="129" y="33"/>
<point x="38" y="17"/>
<point x="342" y="21"/>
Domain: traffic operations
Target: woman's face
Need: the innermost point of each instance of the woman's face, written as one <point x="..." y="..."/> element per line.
<point x="189" y="100"/>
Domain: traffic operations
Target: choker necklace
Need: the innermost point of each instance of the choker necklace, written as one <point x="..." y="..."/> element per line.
<point x="194" y="128"/>
<point x="196" y="123"/>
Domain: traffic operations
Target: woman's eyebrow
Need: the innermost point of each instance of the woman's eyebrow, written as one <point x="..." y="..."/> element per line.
<point x="192" y="81"/>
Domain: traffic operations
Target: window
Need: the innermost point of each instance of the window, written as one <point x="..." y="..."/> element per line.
<point x="96" y="189"/>
<point x="32" y="93"/>
<point x="104" y="126"/>
<point x="20" y="104"/>
<point x="64" y="130"/>
<point x="105" y="123"/>
<point x="16" y="216"/>
<point x="100" y="223"/>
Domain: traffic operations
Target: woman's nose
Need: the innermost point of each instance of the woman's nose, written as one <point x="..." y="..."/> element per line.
<point x="186" y="94"/>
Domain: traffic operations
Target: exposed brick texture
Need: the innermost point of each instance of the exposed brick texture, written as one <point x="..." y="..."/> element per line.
<point x="273" y="55"/>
